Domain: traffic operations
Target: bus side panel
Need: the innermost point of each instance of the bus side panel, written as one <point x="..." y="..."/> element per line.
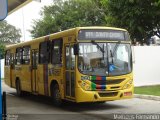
<point x="19" y="75"/>
<point x="7" y="73"/>
<point x="56" y="74"/>
<point x="13" y="78"/>
<point x="26" y="77"/>
<point x="40" y="79"/>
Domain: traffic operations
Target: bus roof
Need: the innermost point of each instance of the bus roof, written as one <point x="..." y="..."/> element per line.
<point x="60" y="34"/>
<point x="100" y="27"/>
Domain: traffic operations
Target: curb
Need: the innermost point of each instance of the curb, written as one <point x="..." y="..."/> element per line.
<point x="148" y="97"/>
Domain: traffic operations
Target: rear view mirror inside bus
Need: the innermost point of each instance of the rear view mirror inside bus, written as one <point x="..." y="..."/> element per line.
<point x="76" y="49"/>
<point x="3" y="9"/>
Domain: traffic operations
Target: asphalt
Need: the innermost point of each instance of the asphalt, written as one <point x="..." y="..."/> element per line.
<point x="148" y="97"/>
<point x="33" y="107"/>
<point x="140" y="96"/>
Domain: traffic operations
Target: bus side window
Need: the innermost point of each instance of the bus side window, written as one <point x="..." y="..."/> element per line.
<point x="19" y="56"/>
<point x="57" y="51"/>
<point x="12" y="60"/>
<point x="44" y="52"/>
<point x="7" y="58"/>
<point x="26" y="55"/>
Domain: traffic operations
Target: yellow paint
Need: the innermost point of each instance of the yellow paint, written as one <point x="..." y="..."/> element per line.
<point x="82" y="88"/>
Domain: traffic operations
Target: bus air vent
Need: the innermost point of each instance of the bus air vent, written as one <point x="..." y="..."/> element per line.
<point x="109" y="94"/>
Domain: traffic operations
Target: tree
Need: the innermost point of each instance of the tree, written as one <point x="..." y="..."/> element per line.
<point x="68" y="14"/>
<point x="2" y="51"/>
<point x="139" y="17"/>
<point x="9" y="34"/>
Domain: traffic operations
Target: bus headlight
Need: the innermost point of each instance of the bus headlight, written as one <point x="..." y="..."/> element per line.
<point x="85" y="85"/>
<point x="128" y="84"/>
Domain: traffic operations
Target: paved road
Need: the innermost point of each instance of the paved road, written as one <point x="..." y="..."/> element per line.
<point x="41" y="108"/>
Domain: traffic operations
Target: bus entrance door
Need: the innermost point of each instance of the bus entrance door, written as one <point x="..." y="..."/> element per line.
<point x="70" y="72"/>
<point x="34" y="71"/>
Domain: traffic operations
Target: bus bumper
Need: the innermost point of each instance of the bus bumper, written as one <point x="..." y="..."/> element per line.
<point x="95" y="96"/>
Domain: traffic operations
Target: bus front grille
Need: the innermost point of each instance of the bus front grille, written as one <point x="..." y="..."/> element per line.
<point x="108" y="94"/>
<point x="107" y="82"/>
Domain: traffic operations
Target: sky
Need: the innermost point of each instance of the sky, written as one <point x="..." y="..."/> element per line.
<point x="23" y="18"/>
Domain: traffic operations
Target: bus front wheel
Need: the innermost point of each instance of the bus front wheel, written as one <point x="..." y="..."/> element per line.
<point x="56" y="96"/>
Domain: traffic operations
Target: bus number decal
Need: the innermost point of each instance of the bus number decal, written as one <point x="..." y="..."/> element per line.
<point x="53" y="71"/>
<point x="18" y="68"/>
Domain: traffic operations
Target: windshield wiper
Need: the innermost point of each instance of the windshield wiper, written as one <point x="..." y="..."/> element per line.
<point x="111" y="55"/>
<point x="98" y="46"/>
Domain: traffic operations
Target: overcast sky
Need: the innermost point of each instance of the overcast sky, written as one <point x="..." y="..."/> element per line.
<point x="30" y="12"/>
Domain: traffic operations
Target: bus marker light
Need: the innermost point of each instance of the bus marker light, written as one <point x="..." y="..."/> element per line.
<point x="79" y="81"/>
<point x="127" y="93"/>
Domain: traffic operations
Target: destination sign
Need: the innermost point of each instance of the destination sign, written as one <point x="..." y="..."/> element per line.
<point x="102" y="35"/>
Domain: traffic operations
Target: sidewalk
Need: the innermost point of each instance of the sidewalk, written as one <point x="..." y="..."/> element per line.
<point x="148" y="97"/>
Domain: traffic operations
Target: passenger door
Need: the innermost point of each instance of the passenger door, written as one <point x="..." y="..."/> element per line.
<point x="12" y="70"/>
<point x="34" y="64"/>
<point x="69" y="72"/>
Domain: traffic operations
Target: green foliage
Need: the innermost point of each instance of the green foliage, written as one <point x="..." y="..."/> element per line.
<point x="8" y="33"/>
<point x="68" y="14"/>
<point x="140" y="17"/>
<point x="2" y="51"/>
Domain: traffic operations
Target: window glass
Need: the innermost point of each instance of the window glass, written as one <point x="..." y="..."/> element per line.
<point x="119" y="58"/>
<point x="12" y="59"/>
<point x="88" y="49"/>
<point x="19" y="57"/>
<point x="26" y="55"/>
<point x="72" y="59"/>
<point x="57" y="51"/>
<point x="110" y="59"/>
<point x="34" y="59"/>
<point x="7" y="57"/>
<point x="67" y="58"/>
<point x="44" y="52"/>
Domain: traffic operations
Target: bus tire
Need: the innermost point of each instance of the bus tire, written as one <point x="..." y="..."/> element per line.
<point x="18" y="89"/>
<point x="56" y="96"/>
<point x="101" y="102"/>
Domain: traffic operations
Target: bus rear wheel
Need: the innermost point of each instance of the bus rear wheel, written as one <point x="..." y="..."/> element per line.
<point x="101" y="102"/>
<point x="56" y="96"/>
<point x="18" y="89"/>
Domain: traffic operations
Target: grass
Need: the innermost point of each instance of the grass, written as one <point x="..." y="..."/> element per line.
<point x="148" y="90"/>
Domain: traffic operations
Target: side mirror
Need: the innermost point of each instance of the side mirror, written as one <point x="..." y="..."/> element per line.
<point x="3" y="9"/>
<point x="76" y="49"/>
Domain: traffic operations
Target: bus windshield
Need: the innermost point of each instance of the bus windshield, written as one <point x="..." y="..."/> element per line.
<point x="104" y="59"/>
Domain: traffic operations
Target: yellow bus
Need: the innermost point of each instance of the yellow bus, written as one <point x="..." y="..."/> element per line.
<point x="83" y="64"/>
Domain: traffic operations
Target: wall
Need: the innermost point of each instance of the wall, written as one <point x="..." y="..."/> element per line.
<point x="2" y="68"/>
<point x="147" y="65"/>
